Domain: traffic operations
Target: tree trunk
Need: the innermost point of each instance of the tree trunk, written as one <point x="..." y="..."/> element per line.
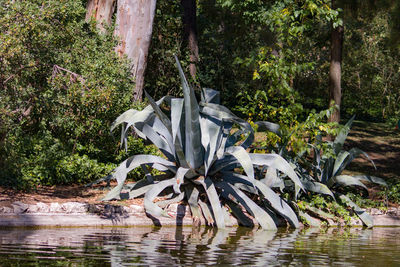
<point x="134" y="27"/>
<point x="101" y="10"/>
<point x="335" y="90"/>
<point x="190" y="33"/>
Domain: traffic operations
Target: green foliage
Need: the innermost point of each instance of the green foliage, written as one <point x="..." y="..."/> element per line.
<point x="61" y="83"/>
<point x="329" y="205"/>
<point x="393" y="192"/>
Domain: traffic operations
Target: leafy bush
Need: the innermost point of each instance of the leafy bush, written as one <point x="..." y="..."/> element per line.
<point x="205" y="162"/>
<point x="60" y="84"/>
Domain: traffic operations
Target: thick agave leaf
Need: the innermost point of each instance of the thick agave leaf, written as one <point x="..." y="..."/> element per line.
<point x="179" y="177"/>
<point x="210" y="96"/>
<point x="206" y="212"/>
<point x="316" y="187"/>
<point x="135" y="161"/>
<point x="309" y="220"/>
<point x="262" y="217"/>
<point x="264" y="126"/>
<point x="175" y="199"/>
<point x="272" y="180"/>
<point x="114" y="193"/>
<point x="243" y="158"/>
<point x="226" y="163"/>
<point x="277" y="162"/>
<point x="159" y="141"/>
<point x="192" y="194"/>
<point x="371" y="179"/>
<point x="224" y="113"/>
<point x="327" y="171"/>
<point x="210" y="133"/>
<point x="162" y="130"/>
<point x="193" y="149"/>
<point x="346" y="157"/>
<point x="223" y="138"/>
<point x="149" y="206"/>
<point x="176" y="116"/>
<point x="342" y="135"/>
<point x="362" y="214"/>
<point x="346" y="180"/>
<point x="239" y="214"/>
<point x="131" y="117"/>
<point x="214" y="200"/>
<point x="277" y="203"/>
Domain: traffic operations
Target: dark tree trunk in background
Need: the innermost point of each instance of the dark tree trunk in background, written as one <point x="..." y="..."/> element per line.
<point x="190" y="33"/>
<point x="335" y="90"/>
<point x="134" y="27"/>
<point x="101" y="11"/>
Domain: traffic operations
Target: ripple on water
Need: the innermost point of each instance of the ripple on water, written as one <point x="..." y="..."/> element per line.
<point x="150" y="246"/>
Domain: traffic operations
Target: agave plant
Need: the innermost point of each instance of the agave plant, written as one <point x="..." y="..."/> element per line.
<point x="327" y="173"/>
<point x="205" y="148"/>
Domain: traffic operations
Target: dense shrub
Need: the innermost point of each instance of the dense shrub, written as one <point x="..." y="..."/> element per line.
<point x="61" y="85"/>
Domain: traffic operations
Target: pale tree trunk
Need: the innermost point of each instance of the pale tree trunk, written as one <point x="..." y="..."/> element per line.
<point x="190" y="33"/>
<point x="101" y="11"/>
<point x="134" y="27"/>
<point x="335" y="90"/>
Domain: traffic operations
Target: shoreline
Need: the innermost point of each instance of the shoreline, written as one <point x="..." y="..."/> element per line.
<point x="19" y="214"/>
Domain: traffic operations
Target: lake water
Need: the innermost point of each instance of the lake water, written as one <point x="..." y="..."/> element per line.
<point x="185" y="246"/>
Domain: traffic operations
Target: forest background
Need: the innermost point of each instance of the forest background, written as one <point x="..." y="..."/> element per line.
<point x="62" y="82"/>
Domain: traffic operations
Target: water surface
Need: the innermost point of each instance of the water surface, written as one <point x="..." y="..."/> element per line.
<point x="184" y="246"/>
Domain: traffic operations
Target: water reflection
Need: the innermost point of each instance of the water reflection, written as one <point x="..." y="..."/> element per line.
<point x="152" y="246"/>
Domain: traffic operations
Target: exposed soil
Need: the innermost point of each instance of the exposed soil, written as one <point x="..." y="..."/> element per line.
<point x="381" y="143"/>
<point x="60" y="194"/>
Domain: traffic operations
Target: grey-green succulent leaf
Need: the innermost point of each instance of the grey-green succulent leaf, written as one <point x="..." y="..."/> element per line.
<point x="346" y="180"/>
<point x="262" y="217"/>
<point x="214" y="200"/>
<point x="209" y="95"/>
<point x="277" y="162"/>
<point x="243" y="158"/>
<point x="371" y="179"/>
<point x="362" y="214"/>
<point x="317" y="187"/>
<point x="135" y="161"/>
<point x="193" y="148"/>
<point x="151" y="207"/>
<point x="179" y="177"/>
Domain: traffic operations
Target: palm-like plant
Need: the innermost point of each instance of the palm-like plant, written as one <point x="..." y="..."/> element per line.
<point x="203" y="156"/>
